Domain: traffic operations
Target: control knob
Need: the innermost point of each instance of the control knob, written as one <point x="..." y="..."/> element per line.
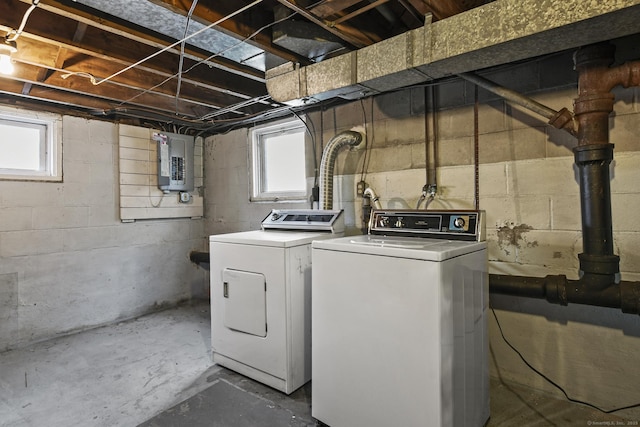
<point x="384" y="222"/>
<point x="275" y="217"/>
<point x="399" y="223"/>
<point x="459" y="222"/>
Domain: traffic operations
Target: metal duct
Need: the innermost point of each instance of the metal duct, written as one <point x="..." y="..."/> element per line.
<point x="349" y="138"/>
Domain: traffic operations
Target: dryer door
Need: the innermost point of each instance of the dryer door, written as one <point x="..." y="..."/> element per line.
<point x="245" y="302"/>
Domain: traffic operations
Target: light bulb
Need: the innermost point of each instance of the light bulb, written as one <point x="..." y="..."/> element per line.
<point x="6" y="67"/>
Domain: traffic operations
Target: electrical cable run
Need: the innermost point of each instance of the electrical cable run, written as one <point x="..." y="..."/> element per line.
<point x="550" y="381"/>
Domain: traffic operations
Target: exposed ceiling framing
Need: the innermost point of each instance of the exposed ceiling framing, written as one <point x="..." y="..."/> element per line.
<point x="68" y="48"/>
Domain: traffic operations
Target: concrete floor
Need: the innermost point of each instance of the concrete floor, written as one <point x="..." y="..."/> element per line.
<point x="156" y="371"/>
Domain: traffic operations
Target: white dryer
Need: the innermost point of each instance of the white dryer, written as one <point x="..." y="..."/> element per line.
<point x="399" y="327"/>
<point x="261" y="296"/>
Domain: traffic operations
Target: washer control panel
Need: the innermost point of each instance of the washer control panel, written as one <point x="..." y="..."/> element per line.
<point x="452" y="225"/>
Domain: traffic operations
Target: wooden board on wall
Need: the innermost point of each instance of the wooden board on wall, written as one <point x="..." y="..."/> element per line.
<point x="140" y="197"/>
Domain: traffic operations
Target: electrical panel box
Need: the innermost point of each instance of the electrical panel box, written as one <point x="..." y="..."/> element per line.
<point x="175" y="161"/>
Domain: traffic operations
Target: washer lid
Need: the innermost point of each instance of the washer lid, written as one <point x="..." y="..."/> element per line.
<point x="274" y="238"/>
<point x="401" y="247"/>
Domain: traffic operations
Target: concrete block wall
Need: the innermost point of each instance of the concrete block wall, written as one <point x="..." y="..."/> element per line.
<point x="527" y="186"/>
<point x="67" y="262"/>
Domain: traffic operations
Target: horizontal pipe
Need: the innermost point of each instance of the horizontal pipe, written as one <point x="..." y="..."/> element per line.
<point x="532" y="287"/>
<point x="558" y="290"/>
<point x="199" y="257"/>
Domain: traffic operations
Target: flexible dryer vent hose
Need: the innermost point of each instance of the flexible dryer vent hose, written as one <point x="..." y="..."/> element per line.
<point x="347" y="138"/>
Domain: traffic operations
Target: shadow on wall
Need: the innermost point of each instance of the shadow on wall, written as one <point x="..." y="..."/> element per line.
<point x="629" y="324"/>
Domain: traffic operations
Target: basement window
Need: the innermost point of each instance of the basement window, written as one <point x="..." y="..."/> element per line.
<point x="278" y="162"/>
<point x="29" y="148"/>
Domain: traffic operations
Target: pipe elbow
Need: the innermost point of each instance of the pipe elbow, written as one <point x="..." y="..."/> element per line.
<point x="374" y="197"/>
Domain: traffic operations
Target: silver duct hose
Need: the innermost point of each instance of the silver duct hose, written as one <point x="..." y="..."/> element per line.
<point x="343" y="139"/>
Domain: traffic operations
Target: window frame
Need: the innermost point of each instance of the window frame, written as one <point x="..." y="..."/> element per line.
<point x="257" y="135"/>
<point x="50" y="145"/>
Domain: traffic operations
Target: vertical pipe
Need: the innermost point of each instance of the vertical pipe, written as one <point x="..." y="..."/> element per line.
<point x="595" y="197"/>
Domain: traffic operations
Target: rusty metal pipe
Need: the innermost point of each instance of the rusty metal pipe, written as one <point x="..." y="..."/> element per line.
<point x="599" y="265"/>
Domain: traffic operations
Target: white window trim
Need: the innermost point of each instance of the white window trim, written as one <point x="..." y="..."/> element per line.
<point x="53" y="145"/>
<point x="255" y="172"/>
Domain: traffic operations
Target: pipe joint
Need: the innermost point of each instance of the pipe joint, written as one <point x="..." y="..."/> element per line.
<point x="630" y="297"/>
<point x="555" y="289"/>
<point x="599" y="264"/>
<point x="593" y="153"/>
<point x="564" y="119"/>
<point x="594" y="103"/>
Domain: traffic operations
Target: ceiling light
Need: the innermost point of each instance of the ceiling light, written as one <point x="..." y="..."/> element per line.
<point x="6" y="49"/>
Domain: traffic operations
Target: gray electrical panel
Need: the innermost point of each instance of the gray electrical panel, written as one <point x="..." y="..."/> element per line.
<point x="175" y="161"/>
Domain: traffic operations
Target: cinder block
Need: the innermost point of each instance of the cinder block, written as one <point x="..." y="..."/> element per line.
<point x="103" y="132"/>
<point x="624" y="211"/>
<point x="24" y="194"/>
<point x="559" y="143"/>
<point x="54" y="217"/>
<point x="77" y="150"/>
<point x="455" y="182"/>
<point x="557" y="249"/>
<point x="88" y="194"/>
<point x="533" y="212"/>
<point x="627" y="245"/>
<point x="625" y="173"/>
<point x="23" y="243"/>
<point x="455" y="123"/>
<point x="547" y="176"/>
<point x="455" y="152"/>
<point x="491" y="117"/>
<point x="565" y="212"/>
<point x="625" y="132"/>
<point x="15" y="219"/>
<point x="393" y="105"/>
<point x="87" y="239"/>
<point x="77" y="170"/>
<point x="522" y="144"/>
<point x="75" y="128"/>
<point x="390" y="159"/>
<point x="493" y="180"/>
<point x="406" y="185"/>
<point x="401" y="131"/>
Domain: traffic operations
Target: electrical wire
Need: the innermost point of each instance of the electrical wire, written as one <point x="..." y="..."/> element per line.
<point x="182" y="46"/>
<point x="550" y="381"/>
<point x="222" y="52"/>
<point x="14" y="34"/>
<point x="213" y="24"/>
<point x="313" y="144"/>
<point x="366" y="139"/>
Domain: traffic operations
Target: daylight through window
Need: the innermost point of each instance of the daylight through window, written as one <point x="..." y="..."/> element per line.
<point x="27" y="148"/>
<point x="279" y="161"/>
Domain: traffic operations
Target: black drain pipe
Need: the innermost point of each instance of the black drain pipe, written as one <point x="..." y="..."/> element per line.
<point x="599" y="284"/>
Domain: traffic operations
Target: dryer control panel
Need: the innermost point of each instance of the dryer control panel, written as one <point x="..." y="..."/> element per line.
<point x="304" y="219"/>
<point x="465" y="225"/>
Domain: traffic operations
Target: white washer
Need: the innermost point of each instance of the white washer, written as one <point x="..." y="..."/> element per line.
<point x="261" y="296"/>
<point x="399" y="332"/>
